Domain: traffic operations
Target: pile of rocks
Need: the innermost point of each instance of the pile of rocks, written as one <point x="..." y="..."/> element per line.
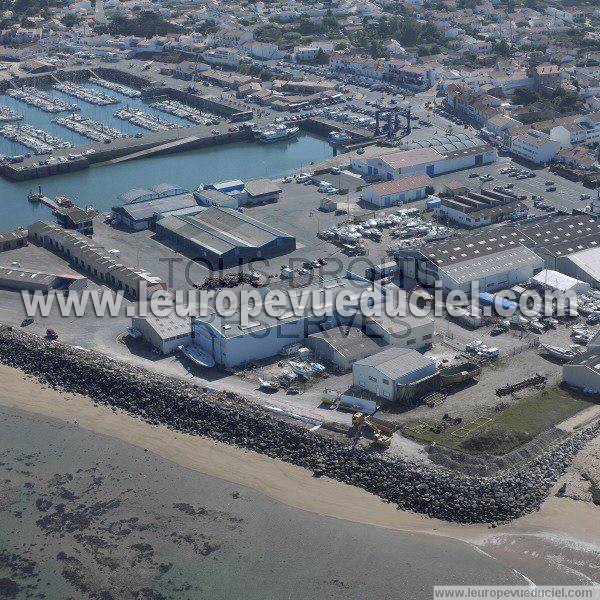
<point x="229" y="418"/>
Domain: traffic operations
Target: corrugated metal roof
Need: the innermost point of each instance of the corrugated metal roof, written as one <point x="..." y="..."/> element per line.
<point x="396" y="362"/>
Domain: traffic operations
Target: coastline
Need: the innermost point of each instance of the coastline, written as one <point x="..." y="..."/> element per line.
<point x="572" y="522"/>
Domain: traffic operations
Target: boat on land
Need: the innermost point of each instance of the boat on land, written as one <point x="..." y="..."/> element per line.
<point x="458" y="373"/>
<point x="565" y="354"/>
<point x="196" y="356"/>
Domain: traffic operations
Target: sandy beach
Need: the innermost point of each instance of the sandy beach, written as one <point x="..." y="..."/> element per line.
<point x="314" y="525"/>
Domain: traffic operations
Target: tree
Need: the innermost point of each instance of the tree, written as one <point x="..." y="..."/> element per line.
<point x="525" y="96"/>
<point x="70" y="20"/>
<point x="501" y="47"/>
<point x="146" y="24"/>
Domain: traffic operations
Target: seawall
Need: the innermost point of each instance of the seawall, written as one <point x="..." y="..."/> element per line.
<point x="230" y="418"/>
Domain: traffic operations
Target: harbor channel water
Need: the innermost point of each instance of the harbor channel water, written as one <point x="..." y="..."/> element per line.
<point x="100" y="186"/>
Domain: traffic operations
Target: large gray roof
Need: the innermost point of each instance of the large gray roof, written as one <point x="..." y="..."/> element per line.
<point x="223" y="229"/>
<point x="396" y="362"/>
<point x="563" y="235"/>
<point x="139" y="211"/>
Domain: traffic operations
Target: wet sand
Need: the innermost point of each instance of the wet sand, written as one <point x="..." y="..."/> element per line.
<point x="233" y="523"/>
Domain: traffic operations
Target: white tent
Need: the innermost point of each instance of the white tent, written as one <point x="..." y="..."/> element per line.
<point x="554" y="280"/>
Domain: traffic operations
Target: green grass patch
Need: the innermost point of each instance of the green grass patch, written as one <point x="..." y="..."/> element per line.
<point x="499" y="432"/>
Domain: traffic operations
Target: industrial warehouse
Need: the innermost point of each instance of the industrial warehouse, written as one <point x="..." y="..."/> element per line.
<point x="19" y="279"/>
<point x="568" y="244"/>
<point x="477" y="209"/>
<point x="88" y="256"/>
<point x="496" y="260"/>
<point x="222" y="237"/>
<point x="430" y="159"/>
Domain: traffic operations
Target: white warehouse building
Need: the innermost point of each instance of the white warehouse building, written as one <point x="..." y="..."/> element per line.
<point x="397" y="164"/>
<point x="384" y="373"/>
<point x="496" y="260"/>
<point x="230" y="343"/>
<point x="397" y="191"/>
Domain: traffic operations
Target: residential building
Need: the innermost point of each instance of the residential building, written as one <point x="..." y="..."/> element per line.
<point x="226" y="57"/>
<point x="232" y="37"/>
<point x="418" y="77"/>
<point x="534" y="146"/>
<point x="357" y="65"/>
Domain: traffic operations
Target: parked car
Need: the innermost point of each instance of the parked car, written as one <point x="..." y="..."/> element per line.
<point x="27" y="321"/>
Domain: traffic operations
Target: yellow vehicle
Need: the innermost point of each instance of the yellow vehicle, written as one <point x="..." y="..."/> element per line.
<point x="357" y="417"/>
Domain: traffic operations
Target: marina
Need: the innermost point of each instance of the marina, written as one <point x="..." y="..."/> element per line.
<point x="116" y="87"/>
<point x="41" y="99"/>
<point x="103" y="185"/>
<point x="85" y="93"/>
<point x="36" y="139"/>
<point x="8" y="114"/>
<point x="182" y="111"/>
<point x="88" y="128"/>
<point x="145" y="120"/>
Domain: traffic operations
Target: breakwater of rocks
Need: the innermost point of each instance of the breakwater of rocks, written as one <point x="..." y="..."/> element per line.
<point x="230" y="418"/>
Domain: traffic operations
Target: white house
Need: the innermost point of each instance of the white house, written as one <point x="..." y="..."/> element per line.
<point x="580" y="130"/>
<point x="364" y="67"/>
<point x="227" y="57"/>
<point x="306" y="53"/>
<point x="263" y="50"/>
<point x="232" y="37"/>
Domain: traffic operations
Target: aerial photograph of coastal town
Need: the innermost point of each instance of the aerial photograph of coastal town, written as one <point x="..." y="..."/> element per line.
<point x="299" y="299"/>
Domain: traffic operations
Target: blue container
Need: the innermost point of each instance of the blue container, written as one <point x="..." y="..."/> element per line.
<point x="487" y="299"/>
<point x="432" y="203"/>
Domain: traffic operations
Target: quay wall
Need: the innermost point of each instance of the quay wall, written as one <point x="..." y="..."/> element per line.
<point x="230" y="418"/>
<point x="121" y="148"/>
